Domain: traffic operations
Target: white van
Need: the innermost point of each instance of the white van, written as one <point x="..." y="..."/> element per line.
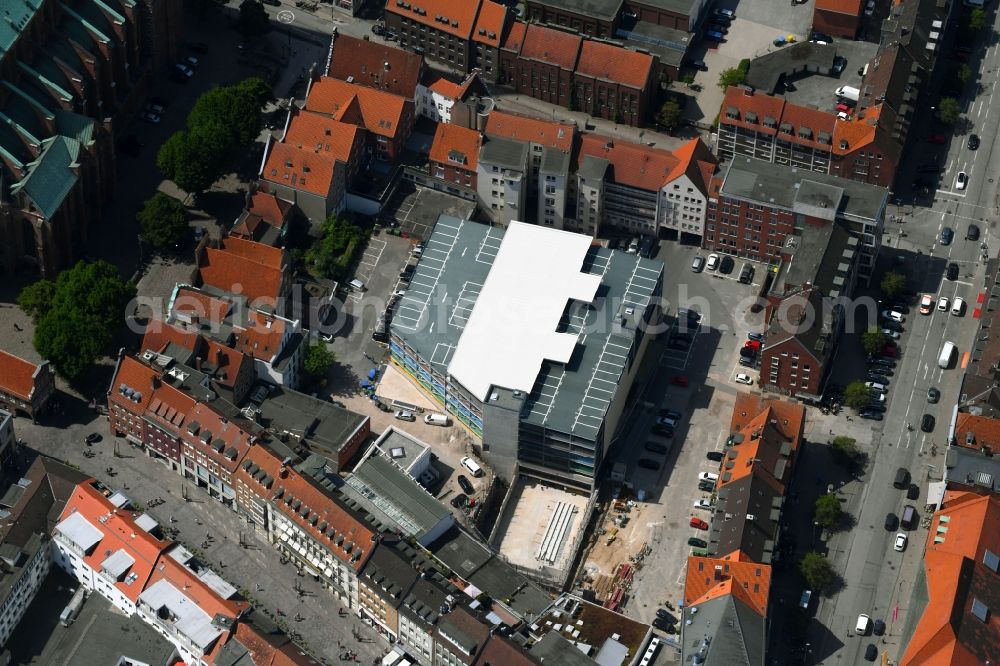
<point x="437" y="419"/>
<point x="849" y="93"/>
<point x="356" y="285"/>
<point x="471" y="465"/>
<point x="861" y="628"/>
<point x="947" y="352"/>
<point x="958" y="306"/>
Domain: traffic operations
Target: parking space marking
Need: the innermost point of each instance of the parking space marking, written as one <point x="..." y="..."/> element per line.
<point x="670" y="354"/>
<point x="366" y="267"/>
<point x="464" y="303"/>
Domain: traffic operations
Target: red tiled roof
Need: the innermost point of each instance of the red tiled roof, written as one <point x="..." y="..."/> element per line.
<point x="240" y="275"/>
<point x="191" y="303"/>
<point x="515" y="36"/>
<point x="632" y="164"/>
<point x="170" y="408"/>
<point x="262" y="336"/>
<point x="613" y="63"/>
<point x="503" y="125"/>
<point x="299" y="169"/>
<point x="858" y="132"/>
<point x="789" y="417"/>
<point x="551" y="46"/>
<point x="270" y="650"/>
<point x="133" y="374"/>
<point x="159" y="334"/>
<point x="119" y="532"/>
<point x="266" y="255"/>
<point x="375" y="65"/>
<point x="269" y="208"/>
<point x="461" y="14"/>
<point x="748" y="581"/>
<point x="960" y="533"/>
<point x="16" y="375"/>
<point x="489" y="25"/>
<point x="235" y="441"/>
<point x="849" y="7"/>
<point x="322" y="135"/>
<point x="442" y="85"/>
<point x="986" y="431"/>
<point x="381" y="112"/>
<point x="459" y="142"/>
<point x="765" y="106"/>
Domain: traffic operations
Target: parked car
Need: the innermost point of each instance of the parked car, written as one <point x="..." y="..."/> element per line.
<point x="894" y="315"/>
<point x="713" y="36"/>
<point x="759" y="337"/>
<point x="716" y="456"/>
<point x="708" y="476"/>
<point x="961" y="181"/>
<point x="933" y="395"/>
<point x="943" y="304"/>
<point x="460" y="500"/>
<point x="900" y="544"/>
<point x="404" y="415"/>
<point x="703" y="504"/>
<point x="727" y="13"/>
<point x="698" y="523"/>
<point x="150" y="117"/>
<point x="972" y="233"/>
<point x="726" y="265"/>
<point x="718" y="27"/>
<point x="870" y="414"/>
<point x="946" y="236"/>
<point x="973" y="141"/>
<point x="744" y="378"/>
<point x="871" y="652"/>
<point x="891" y="333"/>
<point x="706" y="486"/>
<point x="926" y="304"/>
<point x="952" y="273"/>
<point x="465" y="485"/>
<point x="891" y="522"/>
<point x="663" y="431"/>
<point x="698" y="264"/>
<point x="839" y="63"/>
<point x="695" y="542"/>
<point x="670" y="414"/>
<point x="656" y="448"/>
<point x="713" y="262"/>
<point x="184" y="69"/>
<point x="927" y="423"/>
<point x="93" y="438"/>
<point x="191" y="61"/>
<point x="648" y="463"/>
<point x="746" y="274"/>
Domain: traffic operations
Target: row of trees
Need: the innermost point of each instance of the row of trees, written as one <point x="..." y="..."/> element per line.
<point x="223" y="124"/>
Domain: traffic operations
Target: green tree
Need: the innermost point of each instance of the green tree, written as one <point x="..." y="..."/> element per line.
<point x="964" y="73"/>
<point x="948" y="111"/>
<point x="334" y="253"/>
<point x="87" y="305"/>
<point x="687" y="79"/>
<point x="817" y="571"/>
<point x="844" y="449"/>
<point x="253" y="20"/>
<point x="827" y="512"/>
<point x="733" y="76"/>
<point x="36" y="299"/>
<point x="857" y="395"/>
<point x="873" y="339"/>
<point x="670" y="115"/>
<point x="163" y="221"/>
<point x="977" y="19"/>
<point x="318" y="360"/>
<point x="892" y="284"/>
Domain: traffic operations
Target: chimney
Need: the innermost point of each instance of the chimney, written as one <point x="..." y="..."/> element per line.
<point x="218" y="357"/>
<point x="155" y="382"/>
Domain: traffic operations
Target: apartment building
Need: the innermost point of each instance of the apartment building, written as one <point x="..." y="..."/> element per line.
<point x="259" y="273"/>
<point x="446" y="30"/>
<point x="502" y="175"/>
<point x="455" y="155"/>
<point x="8" y="441"/>
<point x="375" y="65"/>
<point x="756" y="206"/>
<point x="25" y="388"/>
<point x="385" y="581"/>
<point x="442" y="100"/>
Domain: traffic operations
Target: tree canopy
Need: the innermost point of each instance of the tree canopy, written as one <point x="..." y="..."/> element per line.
<point x="733" y="76"/>
<point x="76" y="315"/>
<point x="978" y="19"/>
<point x="670" y="115"/>
<point x="224" y="122"/>
<point x="857" y="395"/>
<point x="253" y="20"/>
<point x="163" y="221"/>
<point x="318" y="360"/>
<point x="844" y="449"/>
<point x="892" y="284"/>
<point x="873" y="340"/>
<point x="827" y="511"/>
<point x="817" y="571"/>
<point x="332" y="255"/>
<point x="948" y="111"/>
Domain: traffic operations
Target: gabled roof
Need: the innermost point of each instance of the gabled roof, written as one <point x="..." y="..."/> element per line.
<point x="266" y="255"/>
<point x="16" y="375"/>
<point x="159" y="334"/>
<point x="489" y="25"/>
<point x="800" y="317"/>
<point x="299" y="169"/>
<point x="858" y="132"/>
<point x="613" y="63"/>
<point x="709" y="578"/>
<point x="322" y="135"/>
<point x="984" y="429"/>
<point x="136" y="379"/>
<point x="460" y="14"/>
<point x="197" y="305"/>
<point x="381" y="112"/>
<point x="232" y="272"/>
<point x="632" y="164"/>
<point x="261" y="337"/>
<point x="959" y="625"/>
<point x="374" y="65"/>
<point x="503" y="125"/>
<point x="552" y="46"/>
<point x="442" y="85"/>
<point x="456" y="146"/>
<point x="52" y="176"/>
<point x="269" y="208"/>
<point x="515" y="36"/>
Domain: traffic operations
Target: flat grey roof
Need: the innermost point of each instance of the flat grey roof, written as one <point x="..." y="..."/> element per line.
<point x="593" y="167"/>
<point x="971" y="468"/>
<point x="572" y="397"/>
<point x="506" y="153"/>
<point x="807" y="192"/>
<point x="821" y="255"/>
<point x="605" y="10"/>
<point x="386" y="490"/>
<point x="326" y="426"/>
<point x="669" y="44"/>
<point x="554" y="161"/>
<point x="766" y="71"/>
<point x="403" y="448"/>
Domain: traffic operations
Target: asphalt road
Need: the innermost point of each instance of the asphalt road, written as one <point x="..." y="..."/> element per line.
<point x="878" y="580"/>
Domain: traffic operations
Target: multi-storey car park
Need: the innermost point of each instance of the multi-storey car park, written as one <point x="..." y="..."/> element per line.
<point x="531" y="337"/>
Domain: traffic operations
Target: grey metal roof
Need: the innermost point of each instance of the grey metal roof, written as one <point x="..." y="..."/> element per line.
<point x="555" y="650"/>
<point x="504" y="153"/>
<point x="821" y="255"/>
<point x="554" y="161"/>
<point x="386" y="490"/>
<point x="808" y="192"/>
<point x="971" y="468"/>
<point x="724" y="632"/>
<point x="572" y="398"/>
<point x="593" y="167"/>
<point x="390" y="574"/>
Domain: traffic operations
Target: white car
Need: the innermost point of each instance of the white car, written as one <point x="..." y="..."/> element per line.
<point x="404" y="415"/>
<point x="893" y="315"/>
<point x="708" y="476"/>
<point x="891" y="333"/>
<point x="875" y="386"/>
<point x="744" y="378"/>
<point x="943" y="304"/>
<point x="926" y="304"/>
<point x="900" y="544"/>
<point x="713" y="262"/>
<point x="184" y="69"/>
<point x="703" y="504"/>
<point x="961" y="181"/>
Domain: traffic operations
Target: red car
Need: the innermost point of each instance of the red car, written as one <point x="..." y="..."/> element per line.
<point x="935" y="138"/>
<point x="843" y="107"/>
<point x="698" y="523"/>
<point x="890" y="351"/>
<point x="679" y="380"/>
<point x="752" y="344"/>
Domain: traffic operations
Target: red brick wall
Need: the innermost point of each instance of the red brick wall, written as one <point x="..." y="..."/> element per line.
<point x="543" y="81"/>
<point x="798" y="371"/>
<point x="595" y="96"/>
<point x="870" y="167"/>
<point x="453" y="174"/>
<point x="836" y="24"/>
<point x="734" y="221"/>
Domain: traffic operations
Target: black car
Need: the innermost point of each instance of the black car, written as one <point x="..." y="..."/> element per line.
<point x="820" y="37"/>
<point x="748" y="352"/>
<point x="93" y="437"/>
<point x="891" y="522"/>
<point x="927" y="423"/>
<point x="695" y="542"/>
<point x="671" y="414"/>
<point x="691" y="315"/>
<point x="879" y="369"/>
<point x="913" y="492"/>
<point x="946" y="236"/>
<point x="871" y="652"/>
<point x="878" y="627"/>
<point x="717" y="456"/>
<point x="876" y="407"/>
<point x="656" y="448"/>
<point x="892" y="325"/>
<point x="887" y="362"/>
<point x="747" y="362"/>
<point x="726" y="265"/>
<point x="706" y="486"/>
<point x="661" y="624"/>
<point x="952" y="271"/>
<point x="871" y="415"/>
<point x="459" y="501"/>
<point x="720" y="28"/>
<point x="877" y="378"/>
<point x="973" y="141"/>
<point x="663" y="431"/>
<point x="648" y="463"/>
<point x="465" y="485"/>
<point x="933" y="395"/>
<point x="664" y="615"/>
<point x="746" y="274"/>
<point x="758" y="337"/>
<point x="839" y="63"/>
<point x="972" y="233"/>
